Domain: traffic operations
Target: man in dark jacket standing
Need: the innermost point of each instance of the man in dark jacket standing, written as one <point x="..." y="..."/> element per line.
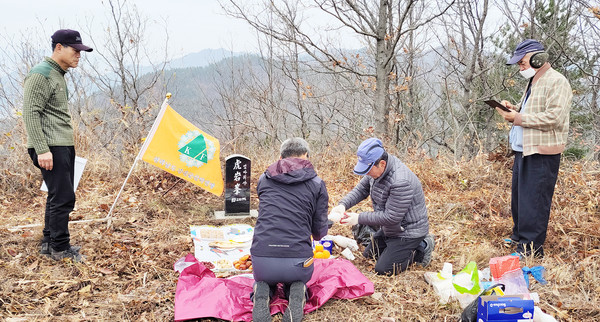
<point x="398" y="208"/>
<point x="292" y="207"/>
<point x="50" y="139"/>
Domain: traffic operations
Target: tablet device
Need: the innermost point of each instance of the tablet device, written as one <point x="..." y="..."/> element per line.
<point x="494" y="103"/>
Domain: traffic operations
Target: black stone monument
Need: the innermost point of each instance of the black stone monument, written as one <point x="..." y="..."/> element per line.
<point x="237" y="185"/>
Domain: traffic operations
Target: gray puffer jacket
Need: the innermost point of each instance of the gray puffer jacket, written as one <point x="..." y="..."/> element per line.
<point x="398" y="201"/>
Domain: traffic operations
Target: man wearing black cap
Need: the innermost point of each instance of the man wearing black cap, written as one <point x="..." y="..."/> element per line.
<point x="398" y="208"/>
<point x="538" y="137"/>
<point x="50" y="139"/>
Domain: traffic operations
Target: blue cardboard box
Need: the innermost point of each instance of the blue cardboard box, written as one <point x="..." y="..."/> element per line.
<point x="508" y="308"/>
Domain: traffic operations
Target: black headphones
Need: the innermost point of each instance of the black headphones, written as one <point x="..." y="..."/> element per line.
<point x="537" y="60"/>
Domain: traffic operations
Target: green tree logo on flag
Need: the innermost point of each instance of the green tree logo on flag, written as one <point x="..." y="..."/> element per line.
<point x="196" y="149"/>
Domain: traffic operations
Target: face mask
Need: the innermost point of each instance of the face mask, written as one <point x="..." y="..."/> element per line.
<point x="528" y="73"/>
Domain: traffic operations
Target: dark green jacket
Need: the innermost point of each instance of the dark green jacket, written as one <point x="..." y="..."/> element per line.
<point x="45" y="110"/>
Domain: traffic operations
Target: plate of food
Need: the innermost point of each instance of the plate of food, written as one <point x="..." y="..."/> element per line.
<point x="225" y="244"/>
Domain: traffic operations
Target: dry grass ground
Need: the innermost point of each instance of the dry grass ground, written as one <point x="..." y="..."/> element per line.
<point x="129" y="276"/>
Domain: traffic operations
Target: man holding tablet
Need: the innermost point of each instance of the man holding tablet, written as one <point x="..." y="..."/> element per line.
<point x="538" y="137"/>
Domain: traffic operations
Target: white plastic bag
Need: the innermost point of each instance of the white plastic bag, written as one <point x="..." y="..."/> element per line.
<point x="442" y="283"/>
<point x="514" y="282"/>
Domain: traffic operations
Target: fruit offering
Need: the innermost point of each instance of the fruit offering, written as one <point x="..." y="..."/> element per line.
<point x="320" y="252"/>
<point x="223" y="263"/>
<point x="208" y="265"/>
<point x="244" y="263"/>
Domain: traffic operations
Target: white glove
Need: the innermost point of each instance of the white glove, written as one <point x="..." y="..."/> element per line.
<point x="350" y="219"/>
<point x="336" y="213"/>
<point x="345" y="242"/>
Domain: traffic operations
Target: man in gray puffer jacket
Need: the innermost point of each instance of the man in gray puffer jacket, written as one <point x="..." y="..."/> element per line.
<point x="398" y="208"/>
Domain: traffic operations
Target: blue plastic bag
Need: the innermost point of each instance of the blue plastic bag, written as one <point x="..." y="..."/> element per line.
<point x="537" y="272"/>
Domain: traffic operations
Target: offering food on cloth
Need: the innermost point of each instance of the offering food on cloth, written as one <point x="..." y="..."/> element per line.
<point x="225" y="244"/>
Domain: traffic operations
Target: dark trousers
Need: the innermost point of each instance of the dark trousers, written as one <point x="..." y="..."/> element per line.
<point x="534" y="177"/>
<point x="393" y="255"/>
<point x="274" y="270"/>
<point x="61" y="197"/>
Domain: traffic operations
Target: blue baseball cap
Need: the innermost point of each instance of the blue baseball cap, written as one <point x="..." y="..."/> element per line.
<point x="526" y="46"/>
<point x="369" y="151"/>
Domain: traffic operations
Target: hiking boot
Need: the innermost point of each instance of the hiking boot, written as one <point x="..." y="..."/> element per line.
<point x="71" y="252"/>
<point x="297" y="300"/>
<point x="45" y="249"/>
<point x="261" y="311"/>
<point x="524" y="250"/>
<point x="429" y="242"/>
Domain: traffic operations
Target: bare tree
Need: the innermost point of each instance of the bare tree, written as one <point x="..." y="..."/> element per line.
<point x="16" y="60"/>
<point x="466" y="78"/>
<point x="380" y="23"/>
<point x="587" y="40"/>
<point x="120" y="71"/>
<point x="412" y="106"/>
<point x="249" y="100"/>
<point x="26" y="50"/>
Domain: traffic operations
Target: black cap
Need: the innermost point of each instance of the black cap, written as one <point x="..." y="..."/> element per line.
<point x="71" y="38"/>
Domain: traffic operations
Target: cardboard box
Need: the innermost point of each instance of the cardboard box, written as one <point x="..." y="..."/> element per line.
<point x="508" y="308"/>
<point x="327" y="244"/>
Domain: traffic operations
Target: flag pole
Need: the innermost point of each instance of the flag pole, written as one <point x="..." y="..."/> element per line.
<point x="142" y="150"/>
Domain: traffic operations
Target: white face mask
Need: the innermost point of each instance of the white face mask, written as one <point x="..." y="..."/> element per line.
<point x="528" y="73"/>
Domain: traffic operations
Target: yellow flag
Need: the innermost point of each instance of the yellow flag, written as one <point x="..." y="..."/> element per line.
<point x="178" y="147"/>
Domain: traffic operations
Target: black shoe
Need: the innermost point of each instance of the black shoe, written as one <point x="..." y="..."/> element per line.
<point x="71" y="253"/>
<point x="524" y="250"/>
<point x="427" y="251"/>
<point x="45" y="249"/>
<point x="297" y="300"/>
<point x="261" y="310"/>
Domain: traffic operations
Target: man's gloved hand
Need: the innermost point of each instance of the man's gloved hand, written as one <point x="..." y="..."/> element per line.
<point x="336" y="213"/>
<point x="350" y="219"/>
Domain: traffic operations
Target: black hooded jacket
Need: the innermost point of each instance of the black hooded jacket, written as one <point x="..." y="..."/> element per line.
<point x="292" y="206"/>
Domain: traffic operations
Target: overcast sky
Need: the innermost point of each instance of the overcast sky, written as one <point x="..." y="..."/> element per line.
<point x="193" y="24"/>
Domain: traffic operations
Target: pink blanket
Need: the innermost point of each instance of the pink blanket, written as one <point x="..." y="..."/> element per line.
<point x="200" y="294"/>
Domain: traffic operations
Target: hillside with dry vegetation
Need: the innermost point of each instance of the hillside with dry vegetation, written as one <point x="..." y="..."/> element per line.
<point x="128" y="273"/>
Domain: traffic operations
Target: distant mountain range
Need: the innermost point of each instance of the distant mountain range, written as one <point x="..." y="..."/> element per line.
<point x="202" y="58"/>
<point x="197" y="80"/>
<point x="197" y="84"/>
